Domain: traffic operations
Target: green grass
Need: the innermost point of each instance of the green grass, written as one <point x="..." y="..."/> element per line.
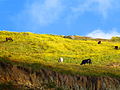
<point x="46" y="49"/>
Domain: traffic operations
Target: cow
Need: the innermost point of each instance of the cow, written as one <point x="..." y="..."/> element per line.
<point x="9" y="38"/>
<point x="99" y="42"/>
<point x="60" y="59"/>
<point x="116" y="47"/>
<point x="86" y="61"/>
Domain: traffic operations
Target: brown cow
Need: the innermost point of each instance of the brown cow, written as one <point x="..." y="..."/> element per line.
<point x="99" y="42"/>
<point x="9" y="38"/>
<point x="116" y="47"/>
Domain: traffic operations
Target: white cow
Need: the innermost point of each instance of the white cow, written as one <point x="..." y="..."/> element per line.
<point x="60" y="59"/>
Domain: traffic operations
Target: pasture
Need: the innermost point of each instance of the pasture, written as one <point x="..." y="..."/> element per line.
<point x="47" y="49"/>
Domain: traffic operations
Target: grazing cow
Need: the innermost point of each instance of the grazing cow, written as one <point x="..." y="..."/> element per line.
<point x="9" y="38"/>
<point x="116" y="47"/>
<point x="60" y="59"/>
<point x="86" y="61"/>
<point x="99" y="42"/>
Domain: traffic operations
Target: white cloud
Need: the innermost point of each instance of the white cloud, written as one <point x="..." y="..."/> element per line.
<point x="99" y="6"/>
<point x="102" y="8"/>
<point x="39" y="13"/>
<point x="47" y="12"/>
<point x="100" y="34"/>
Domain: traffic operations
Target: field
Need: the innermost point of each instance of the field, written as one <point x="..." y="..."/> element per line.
<point x="45" y="50"/>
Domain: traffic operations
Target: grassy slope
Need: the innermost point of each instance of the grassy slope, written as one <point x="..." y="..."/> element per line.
<point x="46" y="49"/>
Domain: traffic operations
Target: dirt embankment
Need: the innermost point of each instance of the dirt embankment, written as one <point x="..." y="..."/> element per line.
<point x="49" y="80"/>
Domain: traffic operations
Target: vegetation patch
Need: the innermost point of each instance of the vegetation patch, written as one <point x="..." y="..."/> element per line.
<point x="43" y="51"/>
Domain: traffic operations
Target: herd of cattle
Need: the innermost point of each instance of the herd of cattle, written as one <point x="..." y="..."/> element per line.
<point x="86" y="61"/>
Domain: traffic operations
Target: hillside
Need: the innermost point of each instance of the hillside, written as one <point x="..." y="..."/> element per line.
<point x="46" y="50"/>
<point x="29" y="54"/>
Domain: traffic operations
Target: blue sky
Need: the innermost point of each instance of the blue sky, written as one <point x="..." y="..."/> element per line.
<point x="94" y="18"/>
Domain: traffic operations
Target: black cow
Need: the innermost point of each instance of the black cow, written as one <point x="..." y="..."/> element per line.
<point x="116" y="47"/>
<point x="9" y="38"/>
<point x="86" y="61"/>
<point x="99" y="42"/>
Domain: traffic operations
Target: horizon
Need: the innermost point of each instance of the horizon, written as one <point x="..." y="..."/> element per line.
<point x="92" y="18"/>
<point x="57" y="34"/>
